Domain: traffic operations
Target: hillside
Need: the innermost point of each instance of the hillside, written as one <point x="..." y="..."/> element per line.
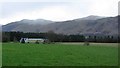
<point x="86" y="25"/>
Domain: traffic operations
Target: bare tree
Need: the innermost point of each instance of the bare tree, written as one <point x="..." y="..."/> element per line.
<point x="51" y="36"/>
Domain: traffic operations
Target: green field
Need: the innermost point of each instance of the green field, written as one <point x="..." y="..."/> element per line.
<point x="0" y="54"/>
<point x="59" y="54"/>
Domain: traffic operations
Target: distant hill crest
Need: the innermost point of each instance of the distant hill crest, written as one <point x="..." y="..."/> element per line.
<point x="87" y="25"/>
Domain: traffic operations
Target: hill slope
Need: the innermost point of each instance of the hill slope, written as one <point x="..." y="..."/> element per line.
<point x="88" y="25"/>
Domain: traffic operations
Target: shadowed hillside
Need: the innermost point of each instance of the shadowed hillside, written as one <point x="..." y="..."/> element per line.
<point x="86" y="25"/>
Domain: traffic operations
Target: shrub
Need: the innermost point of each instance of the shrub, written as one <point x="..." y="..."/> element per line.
<point x="37" y="42"/>
<point x="87" y="43"/>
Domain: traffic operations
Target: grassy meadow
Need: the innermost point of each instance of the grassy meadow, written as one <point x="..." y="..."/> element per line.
<point x="0" y="54"/>
<point x="59" y="54"/>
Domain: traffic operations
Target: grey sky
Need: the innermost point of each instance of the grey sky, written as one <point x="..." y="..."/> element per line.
<point x="55" y="10"/>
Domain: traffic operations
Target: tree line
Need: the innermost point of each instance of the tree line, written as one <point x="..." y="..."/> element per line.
<point x="53" y="37"/>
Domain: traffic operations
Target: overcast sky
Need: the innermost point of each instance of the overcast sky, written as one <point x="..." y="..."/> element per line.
<point x="55" y="10"/>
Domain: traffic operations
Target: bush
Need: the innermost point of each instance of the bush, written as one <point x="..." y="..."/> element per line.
<point x="46" y="41"/>
<point x="37" y="42"/>
<point x="87" y="43"/>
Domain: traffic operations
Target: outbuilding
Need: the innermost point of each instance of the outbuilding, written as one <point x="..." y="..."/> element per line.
<point x="32" y="40"/>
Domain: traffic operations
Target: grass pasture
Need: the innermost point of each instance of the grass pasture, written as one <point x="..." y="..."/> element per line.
<point x="59" y="54"/>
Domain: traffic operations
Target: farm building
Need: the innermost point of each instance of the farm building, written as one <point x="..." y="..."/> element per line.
<point x="32" y="40"/>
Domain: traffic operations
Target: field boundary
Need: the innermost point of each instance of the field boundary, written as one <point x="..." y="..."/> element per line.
<point x="92" y="44"/>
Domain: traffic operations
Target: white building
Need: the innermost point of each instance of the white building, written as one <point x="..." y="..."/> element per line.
<point x="32" y="40"/>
